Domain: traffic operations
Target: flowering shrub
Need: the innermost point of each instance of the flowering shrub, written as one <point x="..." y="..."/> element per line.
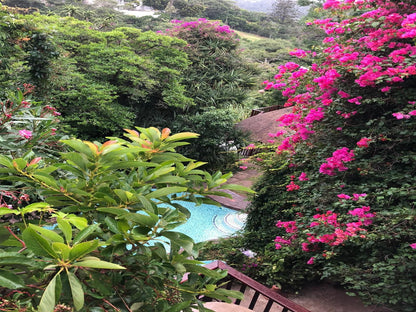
<point x="351" y="131"/>
<point x="218" y="76"/>
<point x="27" y="125"/>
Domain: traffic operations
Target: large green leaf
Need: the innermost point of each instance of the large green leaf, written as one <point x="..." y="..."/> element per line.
<point x="147" y="204"/>
<point x="195" y="268"/>
<point x="180" y="239"/>
<point x="117" y="211"/>
<point x="42" y="206"/>
<point x="76" y="291"/>
<point x="166" y="191"/>
<point x="6" y="161"/>
<point x="77" y="160"/>
<point x="159" y="172"/>
<point x="125" y="196"/>
<point x="48" y="300"/>
<point x="99" y="264"/>
<point x="181" y="136"/>
<point x="82" y="249"/>
<point x="112" y="225"/>
<point x="79" y="146"/>
<point x="5" y="211"/>
<point x="79" y="222"/>
<point x="48" y="234"/>
<point x="47" y="179"/>
<point x="19" y="163"/>
<point x="36" y="243"/>
<point x="149" y="220"/>
<point x="179" y="306"/>
<point x="4" y="234"/>
<point x="87" y="231"/>
<point x="10" y="280"/>
<point x="61" y="249"/>
<point x="66" y="228"/>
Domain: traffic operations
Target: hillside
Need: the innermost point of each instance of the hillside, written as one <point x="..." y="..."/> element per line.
<point x="264" y="6"/>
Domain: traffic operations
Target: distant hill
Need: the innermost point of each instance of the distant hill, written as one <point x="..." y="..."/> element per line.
<point x="256" y="5"/>
<point x="265" y="6"/>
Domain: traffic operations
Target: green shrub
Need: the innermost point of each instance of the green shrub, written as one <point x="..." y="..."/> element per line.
<point x="102" y="232"/>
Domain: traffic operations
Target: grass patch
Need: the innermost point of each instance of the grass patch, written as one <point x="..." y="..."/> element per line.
<point x="249" y="37"/>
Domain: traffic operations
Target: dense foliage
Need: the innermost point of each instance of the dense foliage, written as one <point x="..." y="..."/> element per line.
<point x="94" y="228"/>
<point x="339" y="199"/>
<point x="91" y="74"/>
<point x="218" y="80"/>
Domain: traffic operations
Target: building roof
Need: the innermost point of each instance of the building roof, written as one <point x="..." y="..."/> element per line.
<point x="260" y="125"/>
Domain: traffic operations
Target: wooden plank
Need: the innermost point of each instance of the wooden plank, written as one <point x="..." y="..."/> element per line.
<point x="279" y="299"/>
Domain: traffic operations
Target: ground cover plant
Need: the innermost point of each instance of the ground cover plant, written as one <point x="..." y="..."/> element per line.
<point x="338" y="199"/>
<point x="84" y="229"/>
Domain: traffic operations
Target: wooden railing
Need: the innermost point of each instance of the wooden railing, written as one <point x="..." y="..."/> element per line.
<point x="257" y="297"/>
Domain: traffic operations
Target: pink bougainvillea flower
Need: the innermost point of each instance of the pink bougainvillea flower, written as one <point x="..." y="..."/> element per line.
<point x="343" y="196"/>
<point x="357" y="196"/>
<point x="401" y="116"/>
<point x="311" y="260"/>
<point x="290" y="226"/>
<point x="243" y="167"/>
<point x="413" y="245"/>
<point x="281" y="240"/>
<point x="292" y="187"/>
<point x="27" y="134"/>
<point x="363" y="142"/>
<point x="303" y="177"/>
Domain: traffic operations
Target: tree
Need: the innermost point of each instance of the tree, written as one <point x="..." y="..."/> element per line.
<point x="284" y="12"/>
<point x="100" y="74"/>
<point x="217" y="76"/>
<point x="156" y="4"/>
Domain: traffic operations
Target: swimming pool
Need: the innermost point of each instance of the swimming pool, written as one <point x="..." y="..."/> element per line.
<point x="208" y="222"/>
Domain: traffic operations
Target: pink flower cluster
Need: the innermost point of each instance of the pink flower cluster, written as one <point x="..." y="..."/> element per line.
<point x="405" y="116"/>
<point x="336" y="162"/>
<point x="363" y="142"/>
<point x="26" y="134"/>
<point x="354" y="197"/>
<point x="337" y="232"/>
<point x="203" y="21"/>
<point x="292" y="186"/>
<point x="301" y="53"/>
<point x="340" y="232"/>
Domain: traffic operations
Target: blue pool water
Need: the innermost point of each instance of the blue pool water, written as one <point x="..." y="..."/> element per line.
<point x="209" y="222"/>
